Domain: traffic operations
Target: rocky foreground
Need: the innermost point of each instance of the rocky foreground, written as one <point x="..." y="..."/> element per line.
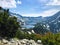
<point x="20" y="42"/>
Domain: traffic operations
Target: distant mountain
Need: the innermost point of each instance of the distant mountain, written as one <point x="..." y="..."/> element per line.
<point x="29" y="22"/>
<point x="14" y="14"/>
<point x="52" y="21"/>
<point x="53" y="18"/>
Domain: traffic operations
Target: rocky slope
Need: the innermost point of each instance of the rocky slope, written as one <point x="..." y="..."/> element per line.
<point x="20" y="42"/>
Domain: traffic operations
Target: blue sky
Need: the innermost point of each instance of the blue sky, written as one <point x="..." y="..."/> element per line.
<point x="32" y="7"/>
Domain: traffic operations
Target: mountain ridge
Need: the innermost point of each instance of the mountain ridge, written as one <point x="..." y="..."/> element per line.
<point x="53" y="21"/>
<point x="29" y="22"/>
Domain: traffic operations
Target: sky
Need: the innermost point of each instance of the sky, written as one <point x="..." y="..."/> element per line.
<point x="32" y="8"/>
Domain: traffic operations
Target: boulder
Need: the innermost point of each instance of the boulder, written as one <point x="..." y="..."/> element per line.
<point x="26" y="40"/>
<point x="11" y="40"/>
<point x="32" y="42"/>
<point x="32" y="31"/>
<point x="9" y="43"/>
<point x="23" y="42"/>
<point x="0" y="41"/>
<point x="39" y="41"/>
<point x="4" y="41"/>
<point x="18" y="42"/>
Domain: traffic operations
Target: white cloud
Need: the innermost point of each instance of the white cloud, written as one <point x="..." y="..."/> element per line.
<point x="8" y="3"/>
<point x="49" y="12"/>
<point x="19" y="2"/>
<point x="44" y="14"/>
<point x="54" y="2"/>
